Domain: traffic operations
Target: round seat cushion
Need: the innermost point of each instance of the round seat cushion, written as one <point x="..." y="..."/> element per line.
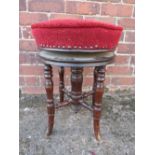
<point x="76" y="34"/>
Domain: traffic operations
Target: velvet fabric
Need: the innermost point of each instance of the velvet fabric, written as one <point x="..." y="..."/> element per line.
<point x="76" y="34"/>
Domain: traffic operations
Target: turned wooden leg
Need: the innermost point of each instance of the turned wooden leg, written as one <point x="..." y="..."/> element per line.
<point x="61" y="83"/>
<point x="100" y="76"/>
<point x="49" y="92"/>
<point x="76" y="86"/>
<point x="94" y="86"/>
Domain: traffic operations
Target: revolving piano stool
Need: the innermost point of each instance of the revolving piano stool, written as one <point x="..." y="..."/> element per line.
<point x="76" y="44"/>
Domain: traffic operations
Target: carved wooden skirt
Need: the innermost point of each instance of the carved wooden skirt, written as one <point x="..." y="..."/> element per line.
<point x="76" y="59"/>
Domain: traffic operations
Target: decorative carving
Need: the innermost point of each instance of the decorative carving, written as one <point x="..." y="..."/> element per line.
<point x="49" y="92"/>
<point x="76" y="84"/>
<point x="61" y="83"/>
<point x="99" y="89"/>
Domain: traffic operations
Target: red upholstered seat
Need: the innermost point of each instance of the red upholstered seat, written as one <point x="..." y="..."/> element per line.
<point x="76" y="34"/>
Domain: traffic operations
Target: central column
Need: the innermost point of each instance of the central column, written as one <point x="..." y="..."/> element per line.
<point x="61" y="83"/>
<point x="76" y="86"/>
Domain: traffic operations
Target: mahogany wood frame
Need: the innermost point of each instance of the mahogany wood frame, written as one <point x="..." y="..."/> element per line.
<point x="50" y="103"/>
<point x="77" y="97"/>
